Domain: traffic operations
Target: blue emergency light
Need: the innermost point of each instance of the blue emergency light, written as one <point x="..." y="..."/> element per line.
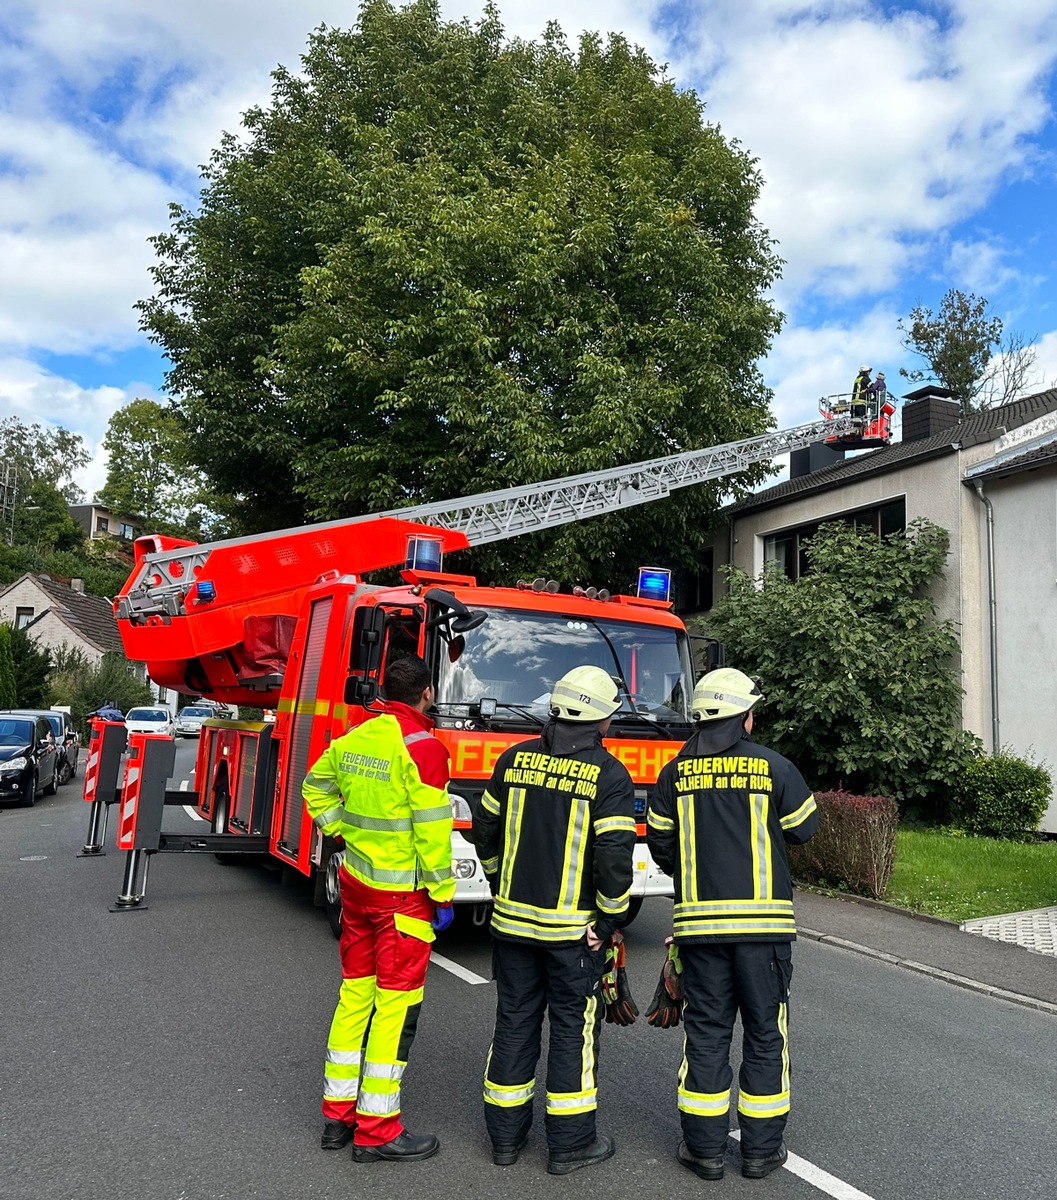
<point x="206" y="591"/>
<point x="424" y="553"/>
<point x="655" y="583"/>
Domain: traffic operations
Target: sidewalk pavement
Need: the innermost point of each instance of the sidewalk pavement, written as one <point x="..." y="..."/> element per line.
<point x="940" y="948"/>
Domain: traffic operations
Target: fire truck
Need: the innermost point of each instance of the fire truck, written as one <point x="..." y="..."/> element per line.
<point x="285" y="621"/>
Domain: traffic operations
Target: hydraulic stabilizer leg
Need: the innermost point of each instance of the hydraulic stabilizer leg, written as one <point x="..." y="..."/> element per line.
<point x="106" y="744"/>
<point x="150" y="763"/>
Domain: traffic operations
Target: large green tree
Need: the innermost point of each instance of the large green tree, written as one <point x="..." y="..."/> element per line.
<point x="441" y="262"/>
<point x="861" y="679"/>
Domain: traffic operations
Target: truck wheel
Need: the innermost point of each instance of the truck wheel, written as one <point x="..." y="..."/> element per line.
<point x="332" y="892"/>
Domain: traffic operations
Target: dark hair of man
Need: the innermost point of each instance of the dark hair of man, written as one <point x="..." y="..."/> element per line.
<point x="406" y="679"/>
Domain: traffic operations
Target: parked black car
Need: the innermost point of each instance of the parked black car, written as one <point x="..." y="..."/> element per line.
<point x="66" y="738"/>
<point x="29" y="758"/>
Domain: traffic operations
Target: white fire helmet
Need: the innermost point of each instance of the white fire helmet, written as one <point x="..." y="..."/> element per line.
<point x="865" y="368"/>
<point x="725" y="692"/>
<point x="585" y="694"/>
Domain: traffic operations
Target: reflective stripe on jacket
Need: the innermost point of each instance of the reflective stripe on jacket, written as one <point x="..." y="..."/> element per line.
<point x="555" y="832"/>
<point x="718" y="824"/>
<point x="382" y="788"/>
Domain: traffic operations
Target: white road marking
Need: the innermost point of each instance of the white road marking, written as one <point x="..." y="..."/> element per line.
<point x="823" y="1180"/>
<point x="191" y="813"/>
<point x="456" y="969"/>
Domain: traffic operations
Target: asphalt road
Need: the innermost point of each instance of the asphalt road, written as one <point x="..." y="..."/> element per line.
<point x="175" y="1054"/>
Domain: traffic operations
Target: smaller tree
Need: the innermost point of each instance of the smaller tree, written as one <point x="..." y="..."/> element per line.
<point x="85" y="687"/>
<point x="32" y="665"/>
<point x="43" y="521"/>
<point x="862" y="691"/>
<point x="39" y="452"/>
<point x="967" y="352"/>
<point x="8" y="696"/>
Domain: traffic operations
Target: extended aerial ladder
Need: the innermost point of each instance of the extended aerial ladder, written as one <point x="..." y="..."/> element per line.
<point x="225" y="586"/>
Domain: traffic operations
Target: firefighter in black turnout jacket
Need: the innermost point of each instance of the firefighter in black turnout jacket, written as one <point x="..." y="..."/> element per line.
<point x="555" y="832"/>
<point x="718" y="821"/>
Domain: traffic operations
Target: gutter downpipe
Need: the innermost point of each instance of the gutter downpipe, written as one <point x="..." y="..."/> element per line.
<point x="992" y="602"/>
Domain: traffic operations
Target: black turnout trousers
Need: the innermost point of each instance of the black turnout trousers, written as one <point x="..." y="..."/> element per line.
<point x="719" y="982"/>
<point x="562" y="980"/>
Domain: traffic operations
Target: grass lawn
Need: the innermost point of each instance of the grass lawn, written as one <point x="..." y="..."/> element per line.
<point x="964" y="877"/>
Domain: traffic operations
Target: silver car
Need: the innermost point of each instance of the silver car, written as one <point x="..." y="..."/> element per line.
<point x="189" y="720"/>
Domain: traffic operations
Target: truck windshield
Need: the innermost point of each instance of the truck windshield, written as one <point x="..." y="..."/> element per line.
<point x="516" y="657"/>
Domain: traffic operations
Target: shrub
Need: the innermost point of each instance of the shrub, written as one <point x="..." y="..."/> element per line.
<point x="1001" y="795"/>
<point x="855" y="845"/>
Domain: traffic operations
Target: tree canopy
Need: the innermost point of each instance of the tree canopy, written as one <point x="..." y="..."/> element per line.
<point x="861" y="680"/>
<point x="42" y="454"/>
<point x="440" y="262"/>
<point x="966" y="351"/>
<point x="150" y="473"/>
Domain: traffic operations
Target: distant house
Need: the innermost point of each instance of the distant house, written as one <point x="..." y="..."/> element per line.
<point x="990" y="480"/>
<point x="99" y="522"/>
<point x="57" y="614"/>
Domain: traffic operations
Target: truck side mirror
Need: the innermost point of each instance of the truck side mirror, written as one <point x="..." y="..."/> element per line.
<point x="365" y="655"/>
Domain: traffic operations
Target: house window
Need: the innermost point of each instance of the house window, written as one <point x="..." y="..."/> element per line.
<point x="788" y="548"/>
<point x="23" y="616"/>
<point x="127" y="531"/>
<point x="102" y="525"/>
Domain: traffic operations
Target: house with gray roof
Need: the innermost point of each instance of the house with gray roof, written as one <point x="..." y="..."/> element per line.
<point x="990" y="479"/>
<point x="58" y="614"/>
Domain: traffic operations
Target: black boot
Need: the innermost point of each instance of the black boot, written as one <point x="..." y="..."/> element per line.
<point x="336" y="1135"/>
<point x="760" y="1168"/>
<point x="561" y="1162"/>
<point x="406" y="1147"/>
<point x="703" y="1168"/>
<point x="506" y="1156"/>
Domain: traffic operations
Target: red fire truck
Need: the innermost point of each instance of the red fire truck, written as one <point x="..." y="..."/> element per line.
<point x="285" y="621"/>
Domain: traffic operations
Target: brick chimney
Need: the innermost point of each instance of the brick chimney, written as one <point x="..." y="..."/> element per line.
<point x="77" y="585"/>
<point x="929" y="410"/>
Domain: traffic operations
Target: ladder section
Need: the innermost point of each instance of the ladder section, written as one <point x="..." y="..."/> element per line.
<point x="166" y="583"/>
<point x="508" y="512"/>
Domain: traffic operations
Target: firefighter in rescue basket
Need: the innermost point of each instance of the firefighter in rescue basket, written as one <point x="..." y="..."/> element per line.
<point x="718" y="822"/>
<point x="383" y="788"/>
<point x="555" y="832"/>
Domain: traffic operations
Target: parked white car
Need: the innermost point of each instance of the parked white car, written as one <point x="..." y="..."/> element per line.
<point x="189" y="720"/>
<point x="153" y="719"/>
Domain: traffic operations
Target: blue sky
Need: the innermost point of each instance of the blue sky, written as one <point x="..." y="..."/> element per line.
<point x="906" y="149"/>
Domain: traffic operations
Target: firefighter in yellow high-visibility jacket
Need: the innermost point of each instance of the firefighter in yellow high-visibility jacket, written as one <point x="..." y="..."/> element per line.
<point x="382" y="787"/>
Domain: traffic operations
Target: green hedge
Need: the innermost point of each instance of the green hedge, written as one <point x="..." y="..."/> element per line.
<point x="1001" y="795"/>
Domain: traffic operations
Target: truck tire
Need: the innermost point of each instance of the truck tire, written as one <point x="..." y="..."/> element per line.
<point x="331" y="891"/>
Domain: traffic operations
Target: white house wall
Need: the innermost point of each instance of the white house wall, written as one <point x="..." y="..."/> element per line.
<point x="50" y="631"/>
<point x="1025" y="507"/>
<point x="932" y="488"/>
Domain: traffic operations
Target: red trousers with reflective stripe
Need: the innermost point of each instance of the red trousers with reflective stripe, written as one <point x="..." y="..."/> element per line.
<point x="383" y="972"/>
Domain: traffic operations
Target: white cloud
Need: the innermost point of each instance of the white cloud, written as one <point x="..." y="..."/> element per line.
<point x="33" y="394"/>
<point x="808" y="363"/>
<point x="872" y="132"/>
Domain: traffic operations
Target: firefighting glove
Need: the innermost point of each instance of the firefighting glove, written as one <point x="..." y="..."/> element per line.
<point x="666" y="1006"/>
<point x="621" y="1008"/>
<point x="443" y="915"/>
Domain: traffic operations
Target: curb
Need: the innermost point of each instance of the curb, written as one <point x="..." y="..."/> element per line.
<point x="882" y="905"/>
<point x="972" y="985"/>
